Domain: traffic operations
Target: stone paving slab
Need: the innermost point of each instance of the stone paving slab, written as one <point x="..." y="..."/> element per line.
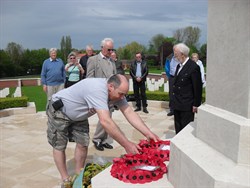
<point x="26" y="157"/>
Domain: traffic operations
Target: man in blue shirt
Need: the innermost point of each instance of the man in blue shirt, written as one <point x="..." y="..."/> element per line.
<point x="52" y="74"/>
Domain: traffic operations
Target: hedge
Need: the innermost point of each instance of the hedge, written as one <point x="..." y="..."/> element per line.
<point x="162" y="96"/>
<point x="155" y="95"/>
<point x="13" y="102"/>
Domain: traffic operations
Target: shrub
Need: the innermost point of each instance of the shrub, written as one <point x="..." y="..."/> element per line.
<point x="155" y="95"/>
<point x="12" y="102"/>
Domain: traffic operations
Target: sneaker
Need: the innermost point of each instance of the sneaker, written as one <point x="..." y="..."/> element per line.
<point x="67" y="183"/>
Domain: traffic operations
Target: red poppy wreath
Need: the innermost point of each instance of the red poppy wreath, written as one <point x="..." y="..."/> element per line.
<point x="158" y="149"/>
<point x="142" y="168"/>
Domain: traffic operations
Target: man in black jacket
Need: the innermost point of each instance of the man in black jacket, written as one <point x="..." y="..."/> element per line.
<point x="84" y="59"/>
<point x="139" y="72"/>
<point x="187" y="88"/>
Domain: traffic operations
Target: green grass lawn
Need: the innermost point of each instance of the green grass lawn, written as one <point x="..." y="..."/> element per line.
<point x="37" y="95"/>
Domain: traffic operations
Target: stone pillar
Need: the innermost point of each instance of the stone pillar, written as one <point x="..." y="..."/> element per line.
<point x="215" y="152"/>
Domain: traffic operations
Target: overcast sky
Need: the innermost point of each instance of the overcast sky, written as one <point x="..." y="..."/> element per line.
<point x="36" y="24"/>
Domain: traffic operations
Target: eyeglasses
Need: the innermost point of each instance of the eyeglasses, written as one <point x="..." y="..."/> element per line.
<point x="113" y="50"/>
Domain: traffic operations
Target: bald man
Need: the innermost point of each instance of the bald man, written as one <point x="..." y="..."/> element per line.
<point x="69" y="108"/>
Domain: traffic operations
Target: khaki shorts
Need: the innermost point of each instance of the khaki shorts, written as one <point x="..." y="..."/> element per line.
<point x="61" y="130"/>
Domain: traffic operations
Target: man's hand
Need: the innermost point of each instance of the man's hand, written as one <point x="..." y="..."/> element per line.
<point x="45" y="88"/>
<point x="138" y="79"/>
<point x="152" y="136"/>
<point x="195" y="109"/>
<point x="132" y="148"/>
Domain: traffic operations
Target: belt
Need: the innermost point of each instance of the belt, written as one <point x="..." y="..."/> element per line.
<point x="171" y="76"/>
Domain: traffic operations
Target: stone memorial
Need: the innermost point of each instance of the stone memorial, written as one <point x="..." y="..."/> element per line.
<point x="214" y="152"/>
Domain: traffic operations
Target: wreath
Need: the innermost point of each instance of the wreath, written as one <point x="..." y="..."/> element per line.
<point x="160" y="149"/>
<point x="145" y="167"/>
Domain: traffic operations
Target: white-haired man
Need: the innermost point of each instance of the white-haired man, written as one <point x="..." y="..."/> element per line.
<point x="102" y="66"/>
<point x="187" y="88"/>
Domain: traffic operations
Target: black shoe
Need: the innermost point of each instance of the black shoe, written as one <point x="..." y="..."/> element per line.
<point x="137" y="109"/>
<point x="108" y="146"/>
<point x="98" y="146"/>
<point x="170" y="113"/>
<point x="145" y="110"/>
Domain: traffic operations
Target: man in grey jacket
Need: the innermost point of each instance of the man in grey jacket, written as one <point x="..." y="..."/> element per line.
<point x="102" y="66"/>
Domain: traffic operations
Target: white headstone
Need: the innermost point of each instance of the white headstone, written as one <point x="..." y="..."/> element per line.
<point x="131" y="84"/>
<point x="166" y="87"/>
<point x="18" y="92"/>
<point x="156" y="86"/>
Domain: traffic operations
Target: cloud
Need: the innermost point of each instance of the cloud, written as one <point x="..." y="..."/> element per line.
<point x="41" y="24"/>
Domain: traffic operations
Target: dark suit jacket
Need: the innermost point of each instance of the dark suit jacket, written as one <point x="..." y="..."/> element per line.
<point x="187" y="87"/>
<point x="144" y="71"/>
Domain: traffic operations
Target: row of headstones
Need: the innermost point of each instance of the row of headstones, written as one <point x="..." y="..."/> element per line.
<point x="152" y="84"/>
<point x="6" y="91"/>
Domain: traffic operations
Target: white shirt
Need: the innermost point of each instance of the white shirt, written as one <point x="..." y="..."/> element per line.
<point x="199" y="62"/>
<point x="182" y="64"/>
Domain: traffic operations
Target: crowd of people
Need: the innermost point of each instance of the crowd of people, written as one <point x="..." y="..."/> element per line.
<point x="96" y="84"/>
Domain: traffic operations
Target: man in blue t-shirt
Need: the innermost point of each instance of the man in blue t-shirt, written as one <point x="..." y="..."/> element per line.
<point x="69" y="108"/>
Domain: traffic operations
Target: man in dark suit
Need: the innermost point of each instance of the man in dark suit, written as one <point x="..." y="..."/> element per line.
<point x="138" y="73"/>
<point x="187" y="88"/>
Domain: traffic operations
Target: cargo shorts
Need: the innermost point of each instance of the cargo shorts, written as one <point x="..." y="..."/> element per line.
<point x="61" y="129"/>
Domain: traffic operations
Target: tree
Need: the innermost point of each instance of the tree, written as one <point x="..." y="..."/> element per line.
<point x="189" y="35"/>
<point x="128" y="51"/>
<point x="4" y="61"/>
<point x="66" y="47"/>
<point x="15" y="52"/>
<point x="33" y="60"/>
<point x="157" y="41"/>
<point x="203" y="54"/>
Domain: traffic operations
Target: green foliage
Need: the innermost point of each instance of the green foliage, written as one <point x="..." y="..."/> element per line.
<point x="172" y="40"/>
<point x="189" y="35"/>
<point x="203" y="54"/>
<point x="37" y="95"/>
<point x="193" y="49"/>
<point x="16" y="61"/>
<point x="128" y="52"/>
<point x="155" y="95"/>
<point x="15" y="52"/>
<point x="13" y="102"/>
<point x="157" y="41"/>
<point x="91" y="170"/>
<point x="66" y="47"/>
<point x="124" y="53"/>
